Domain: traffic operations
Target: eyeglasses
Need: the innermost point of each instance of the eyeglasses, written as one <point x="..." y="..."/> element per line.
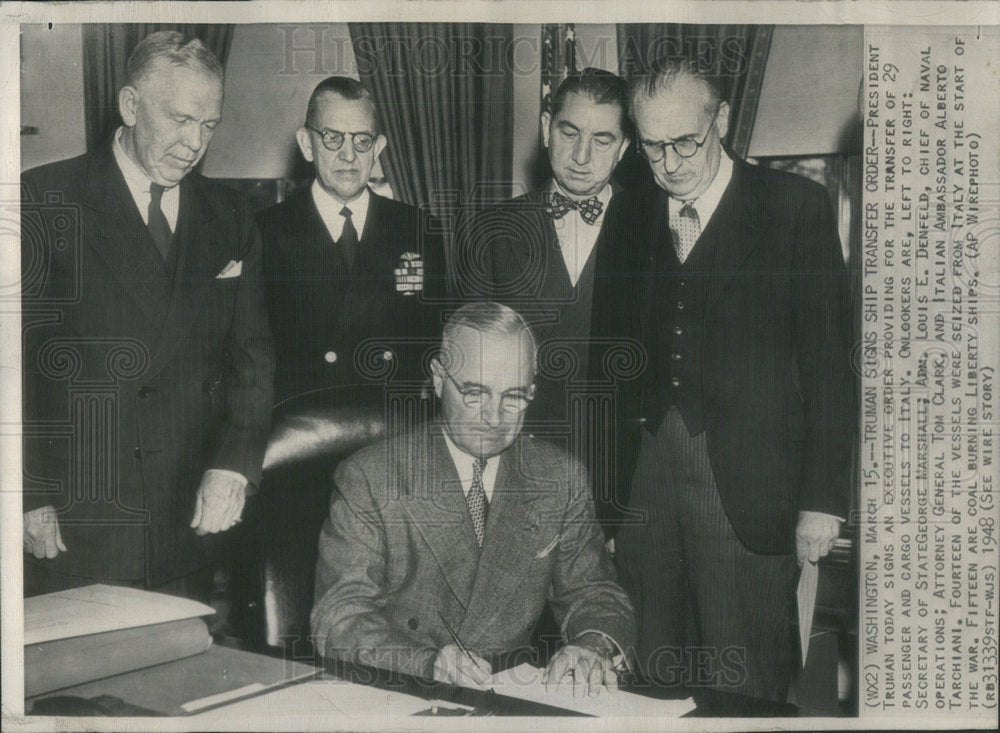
<point x="334" y="139"/>
<point x="686" y="147"/>
<point x="512" y="402"/>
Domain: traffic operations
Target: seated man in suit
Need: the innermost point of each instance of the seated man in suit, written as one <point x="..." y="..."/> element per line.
<point x="466" y="523"/>
<point x="342" y="264"/>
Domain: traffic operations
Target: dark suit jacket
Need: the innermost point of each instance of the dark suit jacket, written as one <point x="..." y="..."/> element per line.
<point x="321" y="313"/>
<point x="510" y="253"/>
<point x="136" y="383"/>
<point x="398" y="549"/>
<point x="776" y="377"/>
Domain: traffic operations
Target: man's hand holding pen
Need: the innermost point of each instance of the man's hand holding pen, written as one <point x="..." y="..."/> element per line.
<point x="457" y="666"/>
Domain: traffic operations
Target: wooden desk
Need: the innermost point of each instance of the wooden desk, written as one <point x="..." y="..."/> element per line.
<point x="221" y="677"/>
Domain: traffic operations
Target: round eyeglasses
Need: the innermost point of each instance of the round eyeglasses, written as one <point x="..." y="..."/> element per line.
<point x="334" y="139"/>
<point x="512" y="402"/>
<point x="685" y="147"/>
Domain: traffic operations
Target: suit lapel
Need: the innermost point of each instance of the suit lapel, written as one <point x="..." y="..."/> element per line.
<point x="655" y="259"/>
<point x="374" y="258"/>
<point x="437" y="509"/>
<point x="507" y="550"/>
<point x="203" y="248"/>
<point x="116" y="232"/>
<point x="732" y="233"/>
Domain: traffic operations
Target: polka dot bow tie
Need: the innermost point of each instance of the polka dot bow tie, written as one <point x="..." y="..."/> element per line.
<point x="557" y="206"/>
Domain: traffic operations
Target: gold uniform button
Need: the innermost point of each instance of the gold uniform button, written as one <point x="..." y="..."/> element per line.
<point x="387" y="355"/>
<point x="676" y="382"/>
<point x="330" y="357"/>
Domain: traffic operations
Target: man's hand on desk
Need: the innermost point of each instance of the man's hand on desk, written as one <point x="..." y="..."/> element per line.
<point x="814" y="536"/>
<point x="587" y="663"/>
<point x="220" y="500"/>
<point x="453" y="666"/>
<point x="42" y="537"/>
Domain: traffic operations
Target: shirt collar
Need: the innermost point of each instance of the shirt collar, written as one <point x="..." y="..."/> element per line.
<point x="135" y="177"/>
<point x="329" y="207"/>
<point x="464" y="467"/>
<point x="708" y="202"/>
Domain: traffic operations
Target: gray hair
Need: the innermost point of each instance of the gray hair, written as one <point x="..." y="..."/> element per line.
<point x="492" y="318"/>
<point x="665" y="72"/>
<point x="175" y="48"/>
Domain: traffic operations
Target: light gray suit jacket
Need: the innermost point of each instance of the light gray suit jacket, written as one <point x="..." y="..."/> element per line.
<point x="398" y="549"/>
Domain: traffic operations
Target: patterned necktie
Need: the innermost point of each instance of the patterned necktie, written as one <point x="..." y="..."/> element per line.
<point x="348" y="238"/>
<point x="686" y="228"/>
<point x="157" y="224"/>
<point x="557" y="206"/>
<point x="477" y="499"/>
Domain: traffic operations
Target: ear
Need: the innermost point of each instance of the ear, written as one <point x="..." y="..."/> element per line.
<point x="546" y="122"/>
<point x="128" y="103"/>
<point x="304" y="140"/>
<point x="722" y="120"/>
<point x="624" y="147"/>
<point x="437" y="376"/>
<point x="380" y="143"/>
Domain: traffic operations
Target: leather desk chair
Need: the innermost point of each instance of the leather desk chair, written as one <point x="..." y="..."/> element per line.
<point x="310" y="435"/>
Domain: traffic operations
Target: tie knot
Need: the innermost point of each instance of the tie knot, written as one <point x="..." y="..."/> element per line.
<point x="345" y="212"/>
<point x="478" y="466"/>
<point x="688" y="210"/>
<point x="156" y="193"/>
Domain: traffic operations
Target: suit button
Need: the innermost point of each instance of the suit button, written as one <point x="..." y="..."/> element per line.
<point x="330" y="357"/>
<point x="676" y="381"/>
<point x="387" y="355"/>
<point x="412" y="624"/>
<point x="680" y="305"/>
<point x="678" y="331"/>
<point x="684" y="282"/>
<point x="145" y="392"/>
<point x="675" y="356"/>
<point x="137" y="452"/>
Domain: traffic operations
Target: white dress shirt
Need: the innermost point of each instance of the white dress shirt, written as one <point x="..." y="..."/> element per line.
<point x="329" y="211"/>
<point x="463" y="464"/>
<point x="138" y="185"/>
<point x="576" y="237"/>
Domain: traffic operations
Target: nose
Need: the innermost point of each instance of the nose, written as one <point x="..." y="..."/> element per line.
<point x="491" y="414"/>
<point x="581" y="151"/>
<point x="347" y="152"/>
<point x="671" y="160"/>
<point x="193" y="137"/>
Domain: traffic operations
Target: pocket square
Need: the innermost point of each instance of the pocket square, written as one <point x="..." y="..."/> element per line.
<point x="233" y="269"/>
<point x="544" y="552"/>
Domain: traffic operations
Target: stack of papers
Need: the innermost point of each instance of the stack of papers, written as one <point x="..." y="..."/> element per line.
<point x="97" y="609"/>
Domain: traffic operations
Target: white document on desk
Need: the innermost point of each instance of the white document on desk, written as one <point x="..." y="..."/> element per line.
<point x="333" y="699"/>
<point x="525" y="682"/>
<point x="96" y="609"/>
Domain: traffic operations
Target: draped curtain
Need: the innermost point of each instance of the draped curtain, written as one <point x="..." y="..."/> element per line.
<point x="737" y="54"/>
<point x="106" y="48"/>
<point x="444" y="95"/>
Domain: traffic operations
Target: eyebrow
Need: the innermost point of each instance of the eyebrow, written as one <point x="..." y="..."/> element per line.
<point x="562" y="124"/>
<point x="484" y="388"/>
